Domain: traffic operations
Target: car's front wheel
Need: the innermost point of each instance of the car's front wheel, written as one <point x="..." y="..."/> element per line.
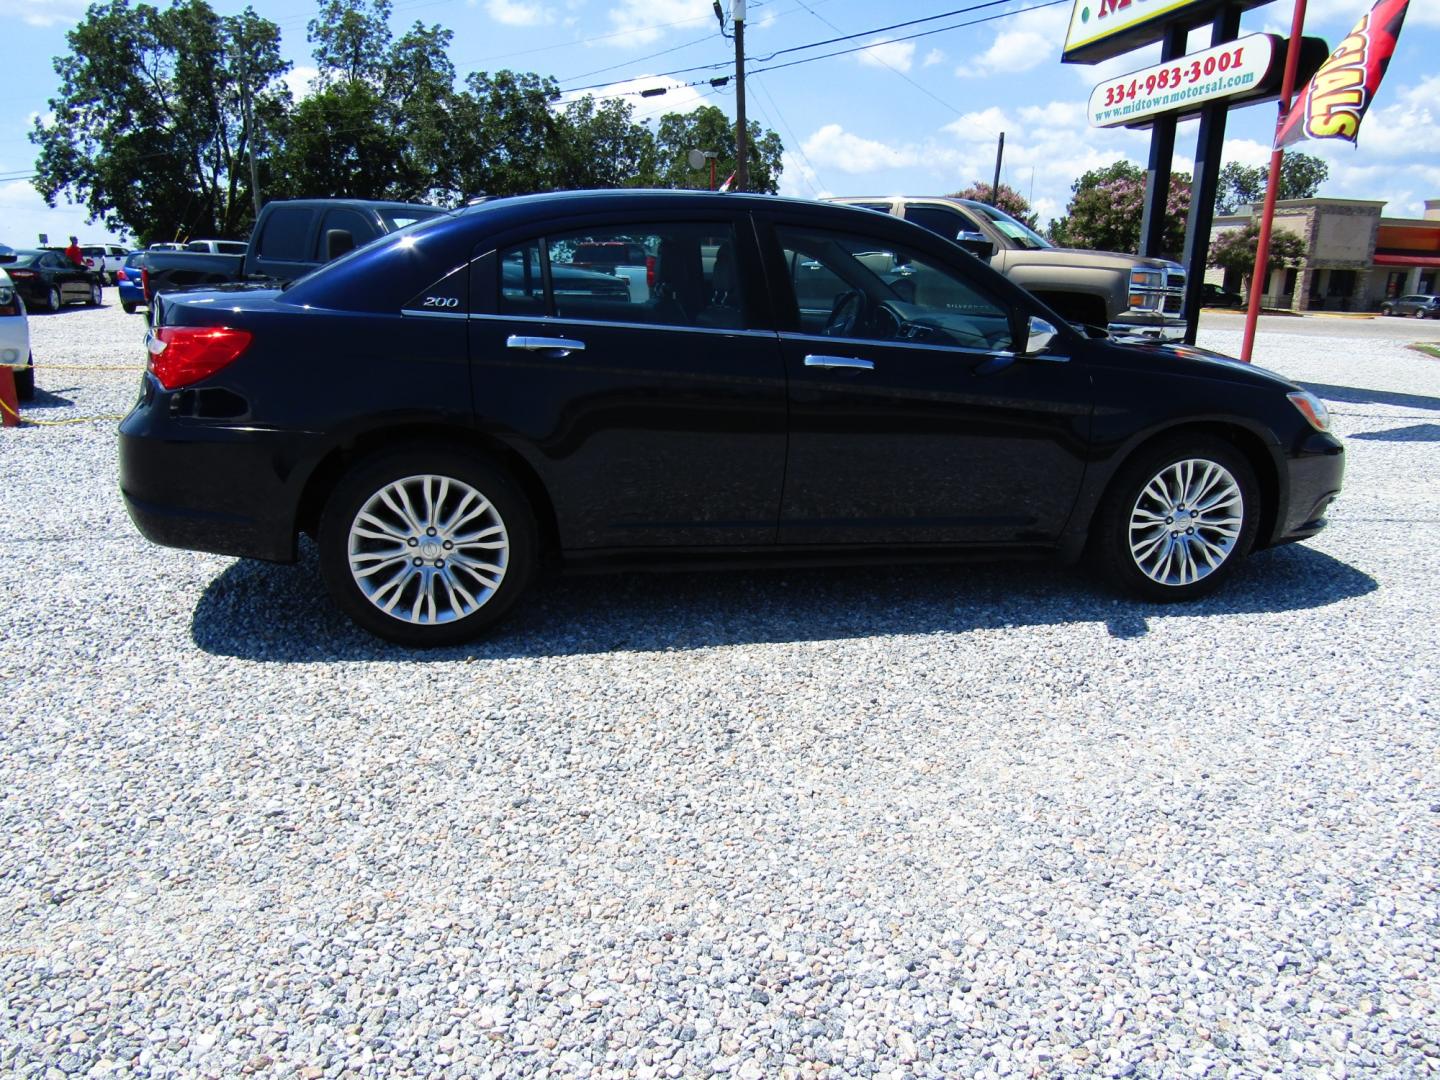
<point x="427" y="547"/>
<point x="1178" y="519"/>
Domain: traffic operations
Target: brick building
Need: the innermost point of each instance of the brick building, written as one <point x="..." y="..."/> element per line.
<point x="1355" y="257"/>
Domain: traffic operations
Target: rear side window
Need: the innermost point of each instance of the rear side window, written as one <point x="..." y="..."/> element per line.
<point x="352" y="222"/>
<point x="285" y="234"/>
<point x="672" y="274"/>
<point x="946" y="223"/>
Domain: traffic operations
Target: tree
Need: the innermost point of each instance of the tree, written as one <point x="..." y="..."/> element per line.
<point x="1240" y="185"/>
<point x="1010" y="200"/>
<point x="1107" y="207"/>
<point x="351" y="40"/>
<point x="147" y="130"/>
<point x="510" y="133"/>
<point x="708" y="128"/>
<point x="599" y="145"/>
<point x="1235" y="250"/>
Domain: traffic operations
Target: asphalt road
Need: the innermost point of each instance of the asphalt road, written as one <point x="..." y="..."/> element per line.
<point x="1328" y="326"/>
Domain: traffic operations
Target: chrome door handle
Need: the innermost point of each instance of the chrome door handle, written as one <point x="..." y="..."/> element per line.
<point x="544" y="344"/>
<point x="852" y="363"/>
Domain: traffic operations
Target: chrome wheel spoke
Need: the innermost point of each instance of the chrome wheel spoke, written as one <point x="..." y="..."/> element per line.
<point x="409" y="559"/>
<point x="1185" y="521"/>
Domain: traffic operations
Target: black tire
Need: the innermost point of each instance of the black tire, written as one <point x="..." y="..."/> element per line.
<point x="95" y="296"/>
<point x="1110" y="536"/>
<point x="25" y="381"/>
<point x="53" y="299"/>
<point x="129" y="307"/>
<point x="507" y="507"/>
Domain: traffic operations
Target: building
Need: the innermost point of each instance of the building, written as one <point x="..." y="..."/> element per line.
<point x="1355" y="257"/>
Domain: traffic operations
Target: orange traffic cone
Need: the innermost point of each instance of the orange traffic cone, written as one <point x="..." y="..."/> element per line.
<point x="9" y="400"/>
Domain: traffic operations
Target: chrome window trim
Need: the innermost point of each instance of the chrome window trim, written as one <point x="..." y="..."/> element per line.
<point x="434" y="314"/>
<point x="556" y="320"/>
<point x="948" y="349"/>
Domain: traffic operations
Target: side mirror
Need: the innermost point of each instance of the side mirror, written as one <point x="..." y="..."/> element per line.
<point x="975" y="243"/>
<point x="1039" y="334"/>
<point x="338" y="242"/>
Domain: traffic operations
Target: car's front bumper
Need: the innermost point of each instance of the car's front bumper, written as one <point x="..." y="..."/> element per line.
<point x="1169" y="328"/>
<point x="1315" y="471"/>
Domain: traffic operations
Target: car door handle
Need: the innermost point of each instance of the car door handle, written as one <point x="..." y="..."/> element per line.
<point x="852" y="363"/>
<point x="544" y="344"/>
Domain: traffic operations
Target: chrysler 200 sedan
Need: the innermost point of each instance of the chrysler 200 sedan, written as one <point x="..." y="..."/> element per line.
<point x="454" y="405"/>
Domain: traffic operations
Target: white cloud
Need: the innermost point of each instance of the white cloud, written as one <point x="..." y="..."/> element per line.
<point x="299" y="80"/>
<point x="1030" y="39"/>
<point x="799" y="179"/>
<point x="833" y="147"/>
<point x="26" y="216"/>
<point x="899" y="55"/>
<point x="45" y="13"/>
<point x="983" y="126"/>
<point x="933" y="57"/>
<point x="519" y="12"/>
<point x="1246" y="152"/>
<point x="648" y="20"/>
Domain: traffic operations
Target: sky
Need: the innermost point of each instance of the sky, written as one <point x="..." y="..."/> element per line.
<point x="919" y="116"/>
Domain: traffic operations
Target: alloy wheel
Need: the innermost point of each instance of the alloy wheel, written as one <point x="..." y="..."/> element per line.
<point x="428" y="549"/>
<point x="1186" y="522"/>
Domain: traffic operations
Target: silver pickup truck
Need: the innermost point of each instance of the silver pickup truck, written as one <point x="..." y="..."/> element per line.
<point x="1125" y="294"/>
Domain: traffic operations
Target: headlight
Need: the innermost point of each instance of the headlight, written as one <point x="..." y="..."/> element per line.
<point x="1312" y="408"/>
<point x="1147" y="278"/>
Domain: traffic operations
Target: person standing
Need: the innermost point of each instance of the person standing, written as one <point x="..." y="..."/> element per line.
<point x="73" y="253"/>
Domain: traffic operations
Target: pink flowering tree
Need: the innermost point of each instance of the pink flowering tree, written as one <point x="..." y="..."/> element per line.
<point x="1107" y="206"/>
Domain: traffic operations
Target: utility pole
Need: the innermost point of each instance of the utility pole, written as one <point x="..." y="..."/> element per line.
<point x="995" y="187"/>
<point x="249" y="120"/>
<point x="742" y="148"/>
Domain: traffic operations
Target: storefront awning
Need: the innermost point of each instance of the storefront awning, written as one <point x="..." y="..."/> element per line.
<point x="1407" y="260"/>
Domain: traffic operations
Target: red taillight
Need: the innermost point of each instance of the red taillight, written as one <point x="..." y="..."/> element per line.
<point x="145" y="282"/>
<point x="181" y="355"/>
<point x="650" y="270"/>
<point x="22" y="273"/>
<point x="120" y="275"/>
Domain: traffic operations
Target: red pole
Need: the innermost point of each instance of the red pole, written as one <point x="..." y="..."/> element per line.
<point x="1272" y="188"/>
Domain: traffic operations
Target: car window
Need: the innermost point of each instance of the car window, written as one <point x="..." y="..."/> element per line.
<point x="941" y="221"/>
<point x="352" y="221"/>
<point x="857" y="287"/>
<point x="285" y="235"/>
<point x="677" y="274"/>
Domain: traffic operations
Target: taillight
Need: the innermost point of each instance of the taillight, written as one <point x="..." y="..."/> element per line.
<point x="120" y="275"/>
<point x="145" y="282"/>
<point x="181" y="355"/>
<point x="650" y="270"/>
<point x="22" y="273"/>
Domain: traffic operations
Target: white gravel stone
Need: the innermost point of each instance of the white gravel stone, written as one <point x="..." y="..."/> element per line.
<point x="935" y="822"/>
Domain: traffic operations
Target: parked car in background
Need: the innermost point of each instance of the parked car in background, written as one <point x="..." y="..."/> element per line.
<point x="15" y="338"/>
<point x="130" y="284"/>
<point x="1127" y="294"/>
<point x="217" y="247"/>
<point x="48" y="280"/>
<point x="290" y="238"/>
<point x="1213" y="295"/>
<point x="1421" y="305"/>
<point x="166" y="246"/>
<point x="104" y="259"/>
<point x="927" y="407"/>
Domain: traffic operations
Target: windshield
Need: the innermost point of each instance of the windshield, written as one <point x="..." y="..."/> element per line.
<point x="1018" y="231"/>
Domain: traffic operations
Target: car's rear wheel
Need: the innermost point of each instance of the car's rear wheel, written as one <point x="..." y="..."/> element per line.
<point x="427" y="547"/>
<point x="129" y="307"/>
<point x="52" y="299"/>
<point x="95" y="295"/>
<point x="1178" y="519"/>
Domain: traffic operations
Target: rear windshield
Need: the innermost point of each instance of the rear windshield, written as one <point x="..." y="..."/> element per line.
<point x="24" y="258"/>
<point x="398" y="219"/>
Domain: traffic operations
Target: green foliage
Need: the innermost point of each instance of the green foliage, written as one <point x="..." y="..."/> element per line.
<point x="1240" y="185"/>
<point x="1235" y="249"/>
<point x="148" y="130"/>
<point x="1108" y="206"/>
<point x="1010" y="200"/>
<point x="708" y="128"/>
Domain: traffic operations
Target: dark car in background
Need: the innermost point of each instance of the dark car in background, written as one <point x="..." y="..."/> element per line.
<point x="1421" y="305"/>
<point x="1212" y="295"/>
<point x="450" y="407"/>
<point x="48" y="280"/>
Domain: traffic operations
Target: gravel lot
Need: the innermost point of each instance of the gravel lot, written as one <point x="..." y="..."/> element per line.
<point x="974" y="821"/>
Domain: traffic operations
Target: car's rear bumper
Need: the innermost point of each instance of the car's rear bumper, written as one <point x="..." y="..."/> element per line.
<point x="226" y="490"/>
<point x="1315" y="470"/>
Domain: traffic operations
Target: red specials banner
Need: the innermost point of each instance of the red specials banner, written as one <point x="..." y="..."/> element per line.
<point x="1334" y="102"/>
